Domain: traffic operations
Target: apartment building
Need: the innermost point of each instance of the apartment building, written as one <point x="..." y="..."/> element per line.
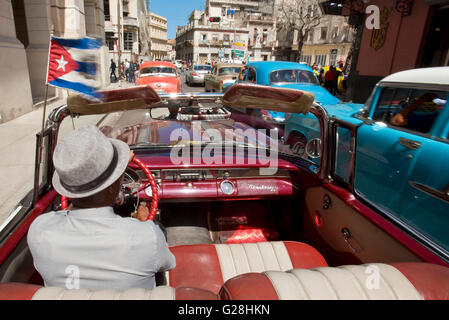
<point x="227" y="30"/>
<point x="171" y="49"/>
<point x="134" y="38"/>
<point x="325" y="44"/>
<point x="158" y="36"/>
<point x="25" y="28"/>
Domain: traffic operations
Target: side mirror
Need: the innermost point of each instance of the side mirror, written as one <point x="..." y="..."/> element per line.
<point x="313" y="148"/>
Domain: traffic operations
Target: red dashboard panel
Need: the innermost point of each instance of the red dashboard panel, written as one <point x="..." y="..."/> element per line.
<point x="242" y="188"/>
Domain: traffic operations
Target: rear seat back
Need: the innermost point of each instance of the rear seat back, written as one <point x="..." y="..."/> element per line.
<point x="377" y="281"/>
<point x="22" y="291"/>
<point x="208" y="266"/>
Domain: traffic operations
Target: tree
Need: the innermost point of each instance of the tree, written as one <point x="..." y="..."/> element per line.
<point x="297" y="17"/>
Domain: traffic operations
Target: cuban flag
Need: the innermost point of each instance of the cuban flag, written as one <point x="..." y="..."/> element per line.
<point x="72" y="64"/>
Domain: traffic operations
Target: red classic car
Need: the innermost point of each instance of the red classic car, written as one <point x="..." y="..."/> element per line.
<point x="162" y="76"/>
<point x="244" y="217"/>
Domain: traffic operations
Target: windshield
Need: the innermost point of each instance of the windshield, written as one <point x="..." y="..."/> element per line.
<point x="208" y="124"/>
<point x="228" y="71"/>
<point x="202" y="68"/>
<point x="293" y="76"/>
<point x="155" y="71"/>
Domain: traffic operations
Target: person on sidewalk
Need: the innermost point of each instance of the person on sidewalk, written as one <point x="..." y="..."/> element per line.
<point x="330" y="80"/>
<point x="90" y="246"/>
<point x="112" y="68"/>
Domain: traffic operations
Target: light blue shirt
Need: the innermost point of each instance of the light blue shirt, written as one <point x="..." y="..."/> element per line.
<point x="97" y="249"/>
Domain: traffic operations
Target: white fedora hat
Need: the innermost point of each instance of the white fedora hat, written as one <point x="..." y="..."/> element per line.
<point x="87" y="162"/>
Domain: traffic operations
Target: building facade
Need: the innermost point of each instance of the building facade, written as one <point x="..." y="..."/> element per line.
<point x="227" y="30"/>
<point x="134" y="37"/>
<point x="325" y="44"/>
<point x="328" y="43"/>
<point x="171" y="49"/>
<point x="158" y="36"/>
<point x="411" y="34"/>
<point x="25" y="29"/>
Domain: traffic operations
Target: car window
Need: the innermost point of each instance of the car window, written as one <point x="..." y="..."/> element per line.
<point x="293" y="76"/>
<point x="202" y="68"/>
<point x="412" y="109"/>
<point x="152" y="71"/>
<point x="228" y="71"/>
<point x="343" y="151"/>
<point x="252" y="75"/>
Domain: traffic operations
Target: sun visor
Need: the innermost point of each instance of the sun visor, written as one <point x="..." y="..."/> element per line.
<point x="270" y="98"/>
<point x="141" y="97"/>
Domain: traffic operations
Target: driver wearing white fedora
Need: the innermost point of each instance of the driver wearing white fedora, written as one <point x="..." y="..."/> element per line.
<point x="89" y="246"/>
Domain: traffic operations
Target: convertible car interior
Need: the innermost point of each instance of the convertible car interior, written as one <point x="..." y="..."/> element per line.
<point x="238" y="232"/>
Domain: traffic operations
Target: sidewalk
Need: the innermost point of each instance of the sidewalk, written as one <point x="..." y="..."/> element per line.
<point x="17" y="150"/>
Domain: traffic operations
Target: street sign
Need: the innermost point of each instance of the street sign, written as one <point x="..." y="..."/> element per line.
<point x="221" y="54"/>
<point x="238" y="53"/>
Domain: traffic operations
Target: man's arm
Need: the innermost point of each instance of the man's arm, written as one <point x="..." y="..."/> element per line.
<point x="166" y="260"/>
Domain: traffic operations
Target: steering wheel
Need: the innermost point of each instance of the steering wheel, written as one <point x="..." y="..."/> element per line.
<point x="152" y="183"/>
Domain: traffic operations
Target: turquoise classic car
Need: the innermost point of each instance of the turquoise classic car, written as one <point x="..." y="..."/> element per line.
<point x="285" y="74"/>
<point x="392" y="152"/>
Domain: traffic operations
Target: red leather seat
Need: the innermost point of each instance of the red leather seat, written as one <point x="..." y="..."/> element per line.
<point x="208" y="266"/>
<point x="396" y="281"/>
<point x="23" y="291"/>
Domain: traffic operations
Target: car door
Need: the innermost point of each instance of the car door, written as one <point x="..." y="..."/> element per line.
<point x="425" y="200"/>
<point x="400" y="168"/>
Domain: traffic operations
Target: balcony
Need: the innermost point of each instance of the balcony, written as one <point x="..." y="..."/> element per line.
<point x="130" y="22"/>
<point x="260" y="19"/>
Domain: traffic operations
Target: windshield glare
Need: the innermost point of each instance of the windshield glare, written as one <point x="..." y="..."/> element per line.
<point x="152" y="71"/>
<point x="292" y="76"/>
<point x="228" y="71"/>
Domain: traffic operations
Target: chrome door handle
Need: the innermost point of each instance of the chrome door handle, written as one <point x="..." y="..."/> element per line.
<point x="441" y="195"/>
<point x="347" y="235"/>
<point x="411" y="144"/>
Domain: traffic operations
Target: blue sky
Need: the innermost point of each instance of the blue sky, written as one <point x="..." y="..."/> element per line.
<point x="176" y="11"/>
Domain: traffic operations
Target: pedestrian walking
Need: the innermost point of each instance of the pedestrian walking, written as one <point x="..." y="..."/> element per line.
<point x="127" y="70"/>
<point x="330" y="80"/>
<point x="131" y="72"/>
<point x="112" y="68"/>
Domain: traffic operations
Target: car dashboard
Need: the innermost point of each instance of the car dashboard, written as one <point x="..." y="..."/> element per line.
<point x="215" y="184"/>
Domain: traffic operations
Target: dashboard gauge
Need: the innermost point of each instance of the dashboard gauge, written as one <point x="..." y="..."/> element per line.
<point x="227" y="187"/>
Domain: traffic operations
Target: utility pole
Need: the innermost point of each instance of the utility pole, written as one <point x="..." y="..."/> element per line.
<point x="119" y="45"/>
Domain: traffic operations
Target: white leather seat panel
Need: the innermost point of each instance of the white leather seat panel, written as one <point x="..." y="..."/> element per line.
<point x="236" y="259"/>
<point x="53" y="293"/>
<point x="344" y="283"/>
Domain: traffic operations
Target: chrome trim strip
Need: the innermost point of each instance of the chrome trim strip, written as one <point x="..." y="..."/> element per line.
<point x="438" y="250"/>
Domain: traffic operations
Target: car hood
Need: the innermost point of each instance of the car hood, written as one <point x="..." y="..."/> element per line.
<point x="321" y="95"/>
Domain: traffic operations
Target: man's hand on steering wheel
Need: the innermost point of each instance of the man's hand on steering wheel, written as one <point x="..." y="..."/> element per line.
<point x="142" y="212"/>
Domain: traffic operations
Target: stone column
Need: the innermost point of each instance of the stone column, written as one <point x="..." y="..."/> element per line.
<point x="37" y="13"/>
<point x="15" y="91"/>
